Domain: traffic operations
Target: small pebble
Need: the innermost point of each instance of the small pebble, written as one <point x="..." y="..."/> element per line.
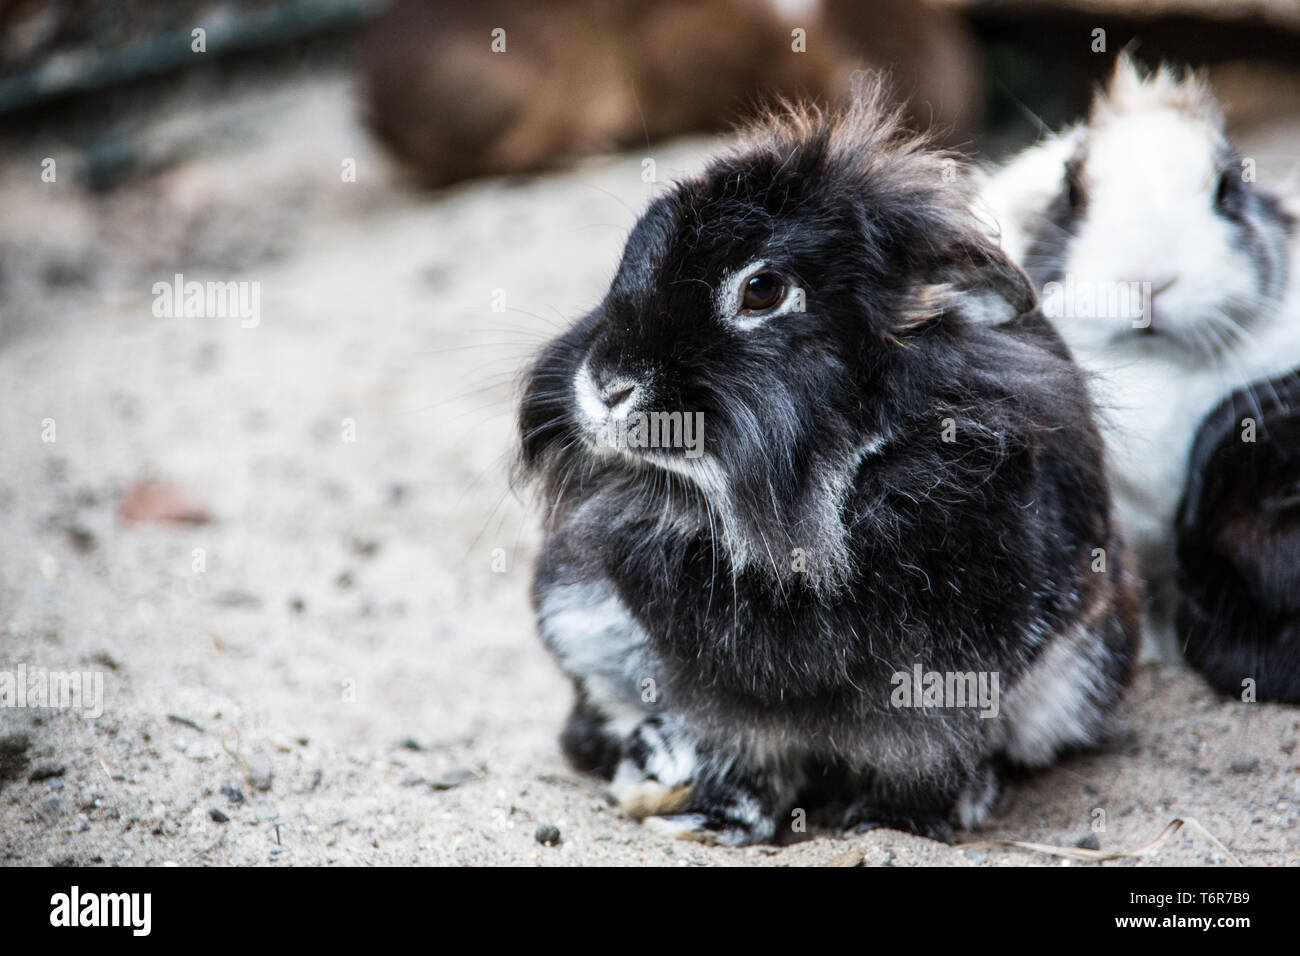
<point x="1244" y="766"/>
<point x="218" y="816"/>
<point x="185" y="722"/>
<point x="455" y="777"/>
<point x="237" y="599"/>
<point x="1090" y="842"/>
<point x="233" y="794"/>
<point x="83" y="539"/>
<point x="548" y="835"/>
<point x="45" y="771"/>
<point x="364" y="547"/>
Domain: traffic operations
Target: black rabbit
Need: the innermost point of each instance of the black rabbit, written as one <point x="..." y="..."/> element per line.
<point x="1238" y="544"/>
<point x="827" y="521"/>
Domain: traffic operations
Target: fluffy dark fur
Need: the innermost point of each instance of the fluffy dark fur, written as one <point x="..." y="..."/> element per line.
<point x="733" y="623"/>
<point x="1238" y="544"/>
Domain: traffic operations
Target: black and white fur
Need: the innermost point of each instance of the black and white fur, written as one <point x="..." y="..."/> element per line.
<point x="732" y="623"/>
<point x="1238" y="544"/>
<point x="1150" y="190"/>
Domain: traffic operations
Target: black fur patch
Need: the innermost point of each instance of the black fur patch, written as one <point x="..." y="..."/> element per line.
<point x="1238" y="544"/>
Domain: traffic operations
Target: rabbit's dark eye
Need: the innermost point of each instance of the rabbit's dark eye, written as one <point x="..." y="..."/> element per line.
<point x="1075" y="196"/>
<point x="762" y="292"/>
<point x="1228" y="190"/>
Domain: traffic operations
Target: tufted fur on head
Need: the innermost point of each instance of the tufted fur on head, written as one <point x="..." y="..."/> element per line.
<point x="919" y="196"/>
<point x="872" y="233"/>
<point x="1133" y="91"/>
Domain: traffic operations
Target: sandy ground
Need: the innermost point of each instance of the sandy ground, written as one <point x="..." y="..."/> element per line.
<point x="353" y="676"/>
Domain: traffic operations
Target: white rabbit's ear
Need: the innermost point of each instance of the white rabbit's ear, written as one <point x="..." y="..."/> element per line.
<point x="1133" y="89"/>
<point x="1126" y="82"/>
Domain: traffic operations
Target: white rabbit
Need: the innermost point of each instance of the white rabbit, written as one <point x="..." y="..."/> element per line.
<point x="1167" y="270"/>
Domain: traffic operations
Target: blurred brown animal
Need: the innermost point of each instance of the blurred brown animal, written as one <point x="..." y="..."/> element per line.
<point x="574" y="77"/>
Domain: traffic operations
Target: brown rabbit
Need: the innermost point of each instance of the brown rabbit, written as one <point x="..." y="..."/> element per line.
<point x="508" y="86"/>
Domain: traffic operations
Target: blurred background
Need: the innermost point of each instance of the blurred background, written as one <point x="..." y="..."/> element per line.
<point x="220" y="154"/>
<point x="287" y="539"/>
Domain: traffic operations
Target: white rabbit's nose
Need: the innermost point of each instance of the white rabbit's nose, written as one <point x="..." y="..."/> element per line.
<point x="1161" y="282"/>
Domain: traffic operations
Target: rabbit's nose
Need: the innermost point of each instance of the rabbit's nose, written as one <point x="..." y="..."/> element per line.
<point x="616" y="394"/>
<point x="1159" y="283"/>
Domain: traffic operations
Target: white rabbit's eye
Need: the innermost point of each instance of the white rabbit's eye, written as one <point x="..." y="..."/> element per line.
<point x="762" y="292"/>
<point x="1227" y="191"/>
<point x="1075" y="196"/>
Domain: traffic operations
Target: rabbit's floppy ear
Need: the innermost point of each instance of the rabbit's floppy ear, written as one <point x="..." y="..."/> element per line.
<point x="976" y="280"/>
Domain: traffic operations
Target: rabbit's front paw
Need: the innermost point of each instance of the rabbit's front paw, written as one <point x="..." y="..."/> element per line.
<point x="734" y="809"/>
<point x="682" y="826"/>
<point x="707" y="828"/>
<point x="659" y="762"/>
<point x="739" y="822"/>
